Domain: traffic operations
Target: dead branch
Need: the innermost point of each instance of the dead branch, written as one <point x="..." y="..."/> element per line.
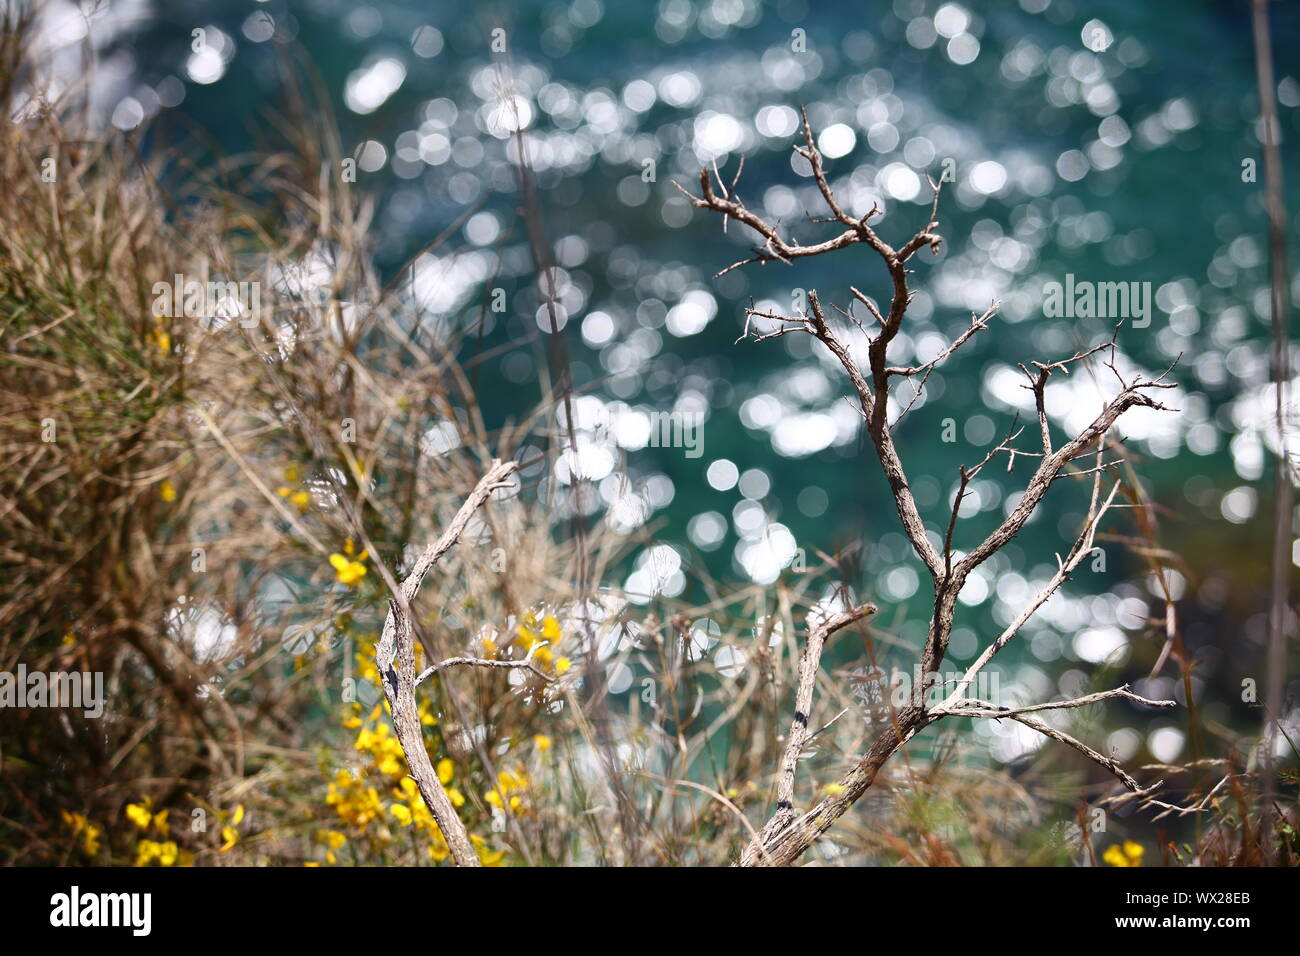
<point x="396" y="646"/>
<point x="799" y="736"/>
<point x="785" y="837"/>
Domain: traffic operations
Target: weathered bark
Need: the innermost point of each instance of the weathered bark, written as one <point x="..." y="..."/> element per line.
<point x="395" y="657"/>
<point x="809" y="663"/>
<point x="785" y="846"/>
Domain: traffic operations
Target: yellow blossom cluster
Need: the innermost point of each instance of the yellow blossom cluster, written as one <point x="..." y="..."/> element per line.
<point x="511" y="788"/>
<point x="84" y="830"/>
<point x="543" y="640"/>
<point x="411" y="811"/>
<point x="298" y="496"/>
<point x="486" y="855"/>
<point x="375" y="737"/>
<point x="383" y="749"/>
<point x="359" y="804"/>
<point x="1126" y="854"/>
<point x="355" y="801"/>
<point x="367" y="669"/>
<point x="162" y="851"/>
<point x="152" y="829"/>
<point x="149" y="852"/>
<point x="143" y="817"/>
<point x="333" y="841"/>
<point x="376" y="799"/>
<point x="159" y="336"/>
<point x="349" y="567"/>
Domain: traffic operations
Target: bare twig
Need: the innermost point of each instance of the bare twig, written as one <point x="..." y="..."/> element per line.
<point x="799" y="736"/>
<point x="525" y="664"/>
<point x="395" y="658"/>
<point x="1279" y="286"/>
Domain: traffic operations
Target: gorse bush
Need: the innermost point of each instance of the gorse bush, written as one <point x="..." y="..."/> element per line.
<point x="94" y="444"/>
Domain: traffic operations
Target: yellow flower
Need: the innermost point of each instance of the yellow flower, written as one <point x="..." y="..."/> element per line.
<point x="349" y="572"/>
<point x="562" y="665"/>
<point x="82" y="827"/>
<point x="301" y="500"/>
<point x="356" y="803"/>
<point x="148" y="851"/>
<point x="138" y="813"/>
<point x="833" y="789"/>
<point x="407" y="790"/>
<point x="1130" y="854"/>
<point x="542" y="741"/>
<point x="511" y="785"/>
<point x="239" y="815"/>
<point x="547" y="634"/>
<point x="167" y="491"/>
<point x="384" y="750"/>
<point x="367" y="670"/>
<point x="426" y="712"/>
<point x="229" y="837"/>
<point x="401" y="814"/>
<point x="446" y="770"/>
<point x="486" y="855"/>
<point x="333" y="841"/>
<point x="513" y="780"/>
